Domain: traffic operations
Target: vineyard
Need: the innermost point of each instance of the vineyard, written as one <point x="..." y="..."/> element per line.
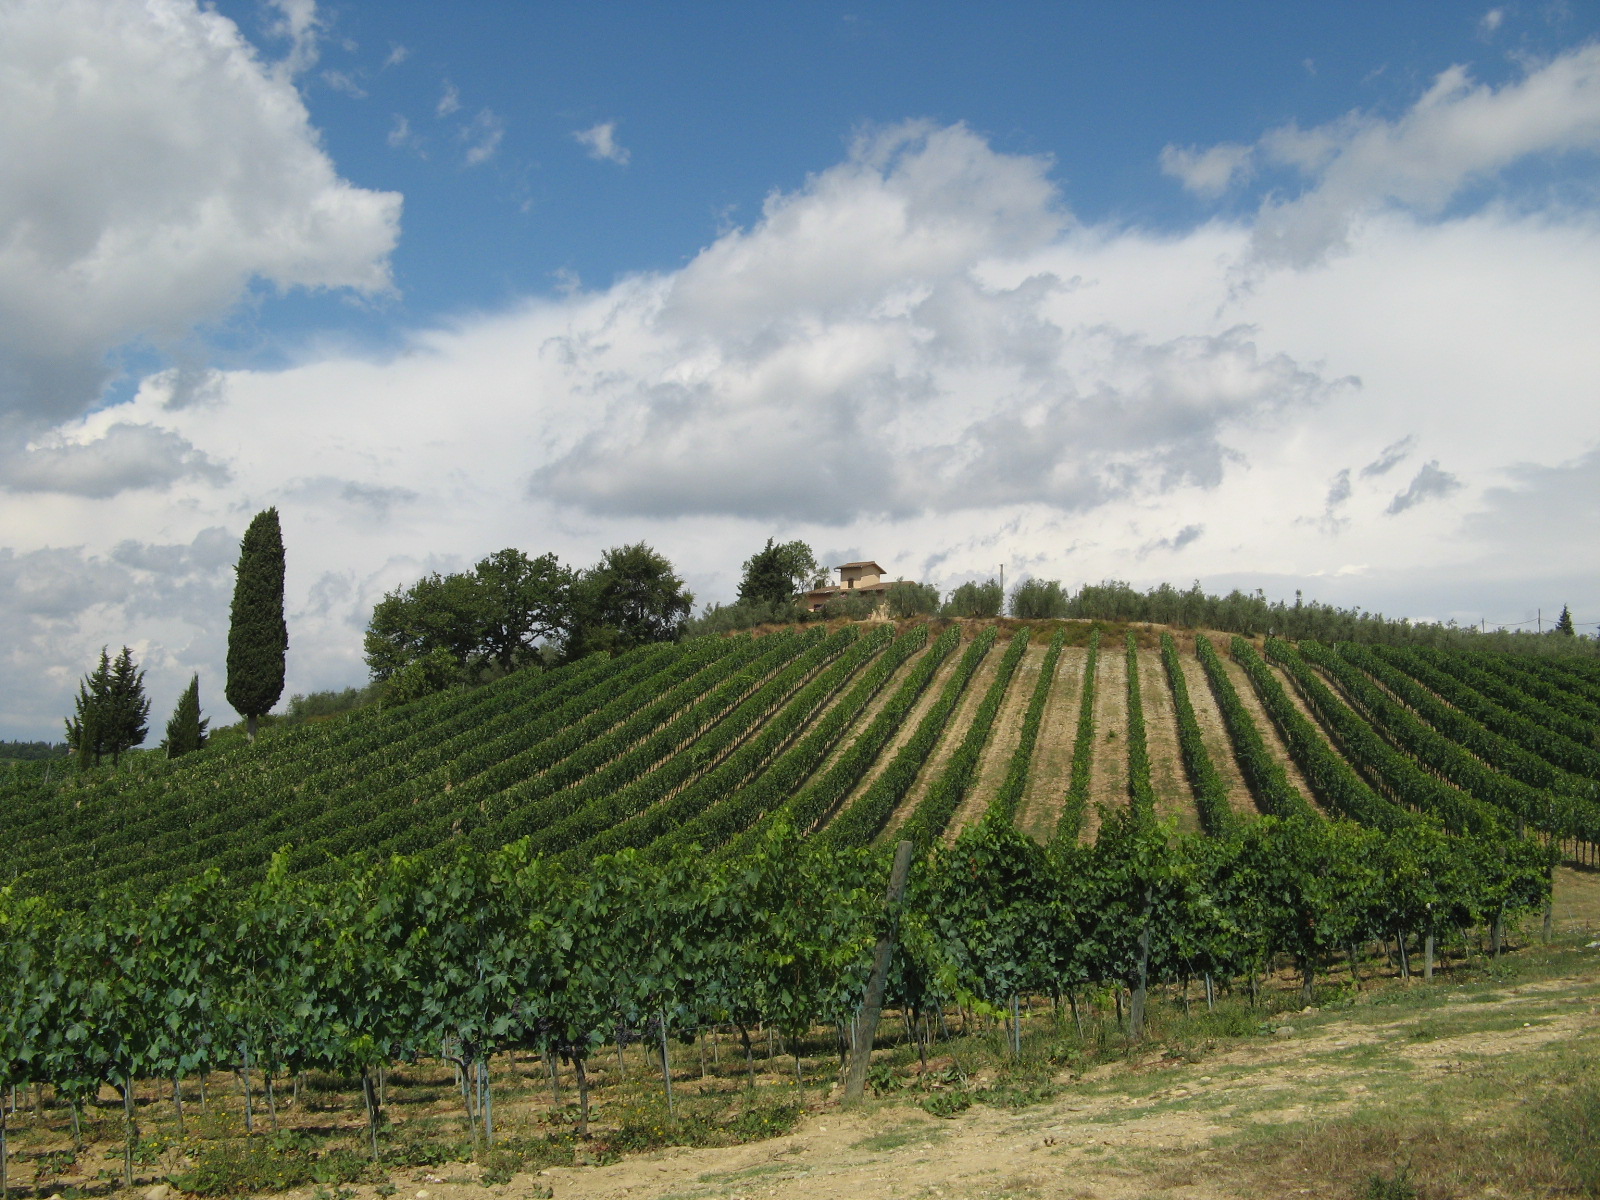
<point x="694" y="837"/>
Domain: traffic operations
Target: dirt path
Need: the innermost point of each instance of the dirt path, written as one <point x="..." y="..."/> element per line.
<point x="1003" y="740"/>
<point x="1174" y="796"/>
<point x="907" y="727"/>
<point x="1156" y="1125"/>
<point x="1269" y="731"/>
<point x="1215" y="735"/>
<point x="873" y="707"/>
<point x="1108" y="777"/>
<point x="951" y="738"/>
<point x="1040" y="809"/>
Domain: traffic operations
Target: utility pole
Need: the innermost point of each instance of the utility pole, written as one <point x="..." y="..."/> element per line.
<point x="1541" y="618"/>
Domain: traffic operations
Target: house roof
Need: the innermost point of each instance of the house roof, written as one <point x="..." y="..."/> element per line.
<point x="868" y="563"/>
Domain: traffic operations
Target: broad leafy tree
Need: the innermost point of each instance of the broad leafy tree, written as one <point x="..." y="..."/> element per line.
<point x="494" y="615"/>
<point x="258" y="638"/>
<point x="777" y="573"/>
<point x="631" y="597"/>
<point x="975" y="600"/>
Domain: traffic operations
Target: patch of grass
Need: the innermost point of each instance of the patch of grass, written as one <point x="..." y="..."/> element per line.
<point x="234" y="1168"/>
<point x="646" y="1124"/>
<point x="903" y="1135"/>
<point x="1571" y="1126"/>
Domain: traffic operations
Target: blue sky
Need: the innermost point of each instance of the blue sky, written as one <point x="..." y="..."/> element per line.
<point x="719" y="104"/>
<point x="1278" y="296"/>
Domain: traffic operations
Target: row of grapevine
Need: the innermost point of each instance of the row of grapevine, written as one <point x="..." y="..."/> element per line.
<point x="1140" y="792"/>
<point x="489" y="952"/>
<point x="933" y="813"/>
<point x="1399" y="777"/>
<point x="590" y="808"/>
<point x="1500" y="752"/>
<point x="1004" y="805"/>
<point x="620" y="706"/>
<point x="859" y="823"/>
<point x="1264" y="775"/>
<point x="1580" y="762"/>
<point x="1567" y="734"/>
<point x="1546" y="811"/>
<point x="1210" y="792"/>
<point x="1580" y="715"/>
<point x="1332" y="779"/>
<point x="1076" y="805"/>
<point x="812" y="805"/>
<point x="765" y="760"/>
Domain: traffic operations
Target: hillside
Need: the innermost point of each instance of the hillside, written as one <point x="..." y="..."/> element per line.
<point x="854" y="732"/>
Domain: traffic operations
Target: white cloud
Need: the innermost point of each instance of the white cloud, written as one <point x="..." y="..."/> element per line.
<point x="482" y="136"/>
<point x="917" y="356"/>
<point x="298" y="23"/>
<point x="1491" y="21"/>
<point x="154" y="167"/>
<point x="449" y="100"/>
<point x="123" y="457"/>
<point x="602" y="144"/>
<point x="397" y="55"/>
<point x="1458" y="132"/>
<point x="1208" y="172"/>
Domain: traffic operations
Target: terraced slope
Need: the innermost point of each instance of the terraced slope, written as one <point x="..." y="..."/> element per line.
<point x="855" y="733"/>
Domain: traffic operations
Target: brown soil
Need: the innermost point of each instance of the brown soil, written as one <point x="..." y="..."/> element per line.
<point x="1003" y="740"/>
<point x="1215" y="735"/>
<point x="1174" y="796"/>
<point x="907" y="727"/>
<point x="1108" y="775"/>
<point x="1269" y="731"/>
<point x="950" y="739"/>
<point x="1052" y="754"/>
<point x="873" y="707"/>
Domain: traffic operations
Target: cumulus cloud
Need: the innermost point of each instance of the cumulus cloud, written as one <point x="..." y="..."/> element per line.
<point x="59" y="605"/>
<point x="154" y="167"/>
<point x="1208" y="172"/>
<point x="1431" y="483"/>
<point x="601" y="142"/>
<point x="1458" y="132"/>
<point x="917" y="356"/>
<point x="124" y="457"/>
<point x="851" y="355"/>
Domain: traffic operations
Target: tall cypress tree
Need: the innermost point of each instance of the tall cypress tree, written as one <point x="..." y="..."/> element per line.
<point x="258" y="639"/>
<point x="186" y="731"/>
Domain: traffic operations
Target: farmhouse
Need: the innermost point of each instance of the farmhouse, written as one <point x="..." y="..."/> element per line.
<point x="857" y="577"/>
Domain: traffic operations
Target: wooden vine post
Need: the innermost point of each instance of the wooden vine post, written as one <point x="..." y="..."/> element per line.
<point x="872" y="1004"/>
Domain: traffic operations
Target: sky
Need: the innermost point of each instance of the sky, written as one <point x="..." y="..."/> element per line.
<point x="1289" y="297"/>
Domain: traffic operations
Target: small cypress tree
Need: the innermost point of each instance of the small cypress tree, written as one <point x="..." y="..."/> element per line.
<point x="127" y="707"/>
<point x="186" y="731"/>
<point x="1564" y="622"/>
<point x="110" y="712"/>
<point x="258" y="638"/>
<point x="86" y="727"/>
